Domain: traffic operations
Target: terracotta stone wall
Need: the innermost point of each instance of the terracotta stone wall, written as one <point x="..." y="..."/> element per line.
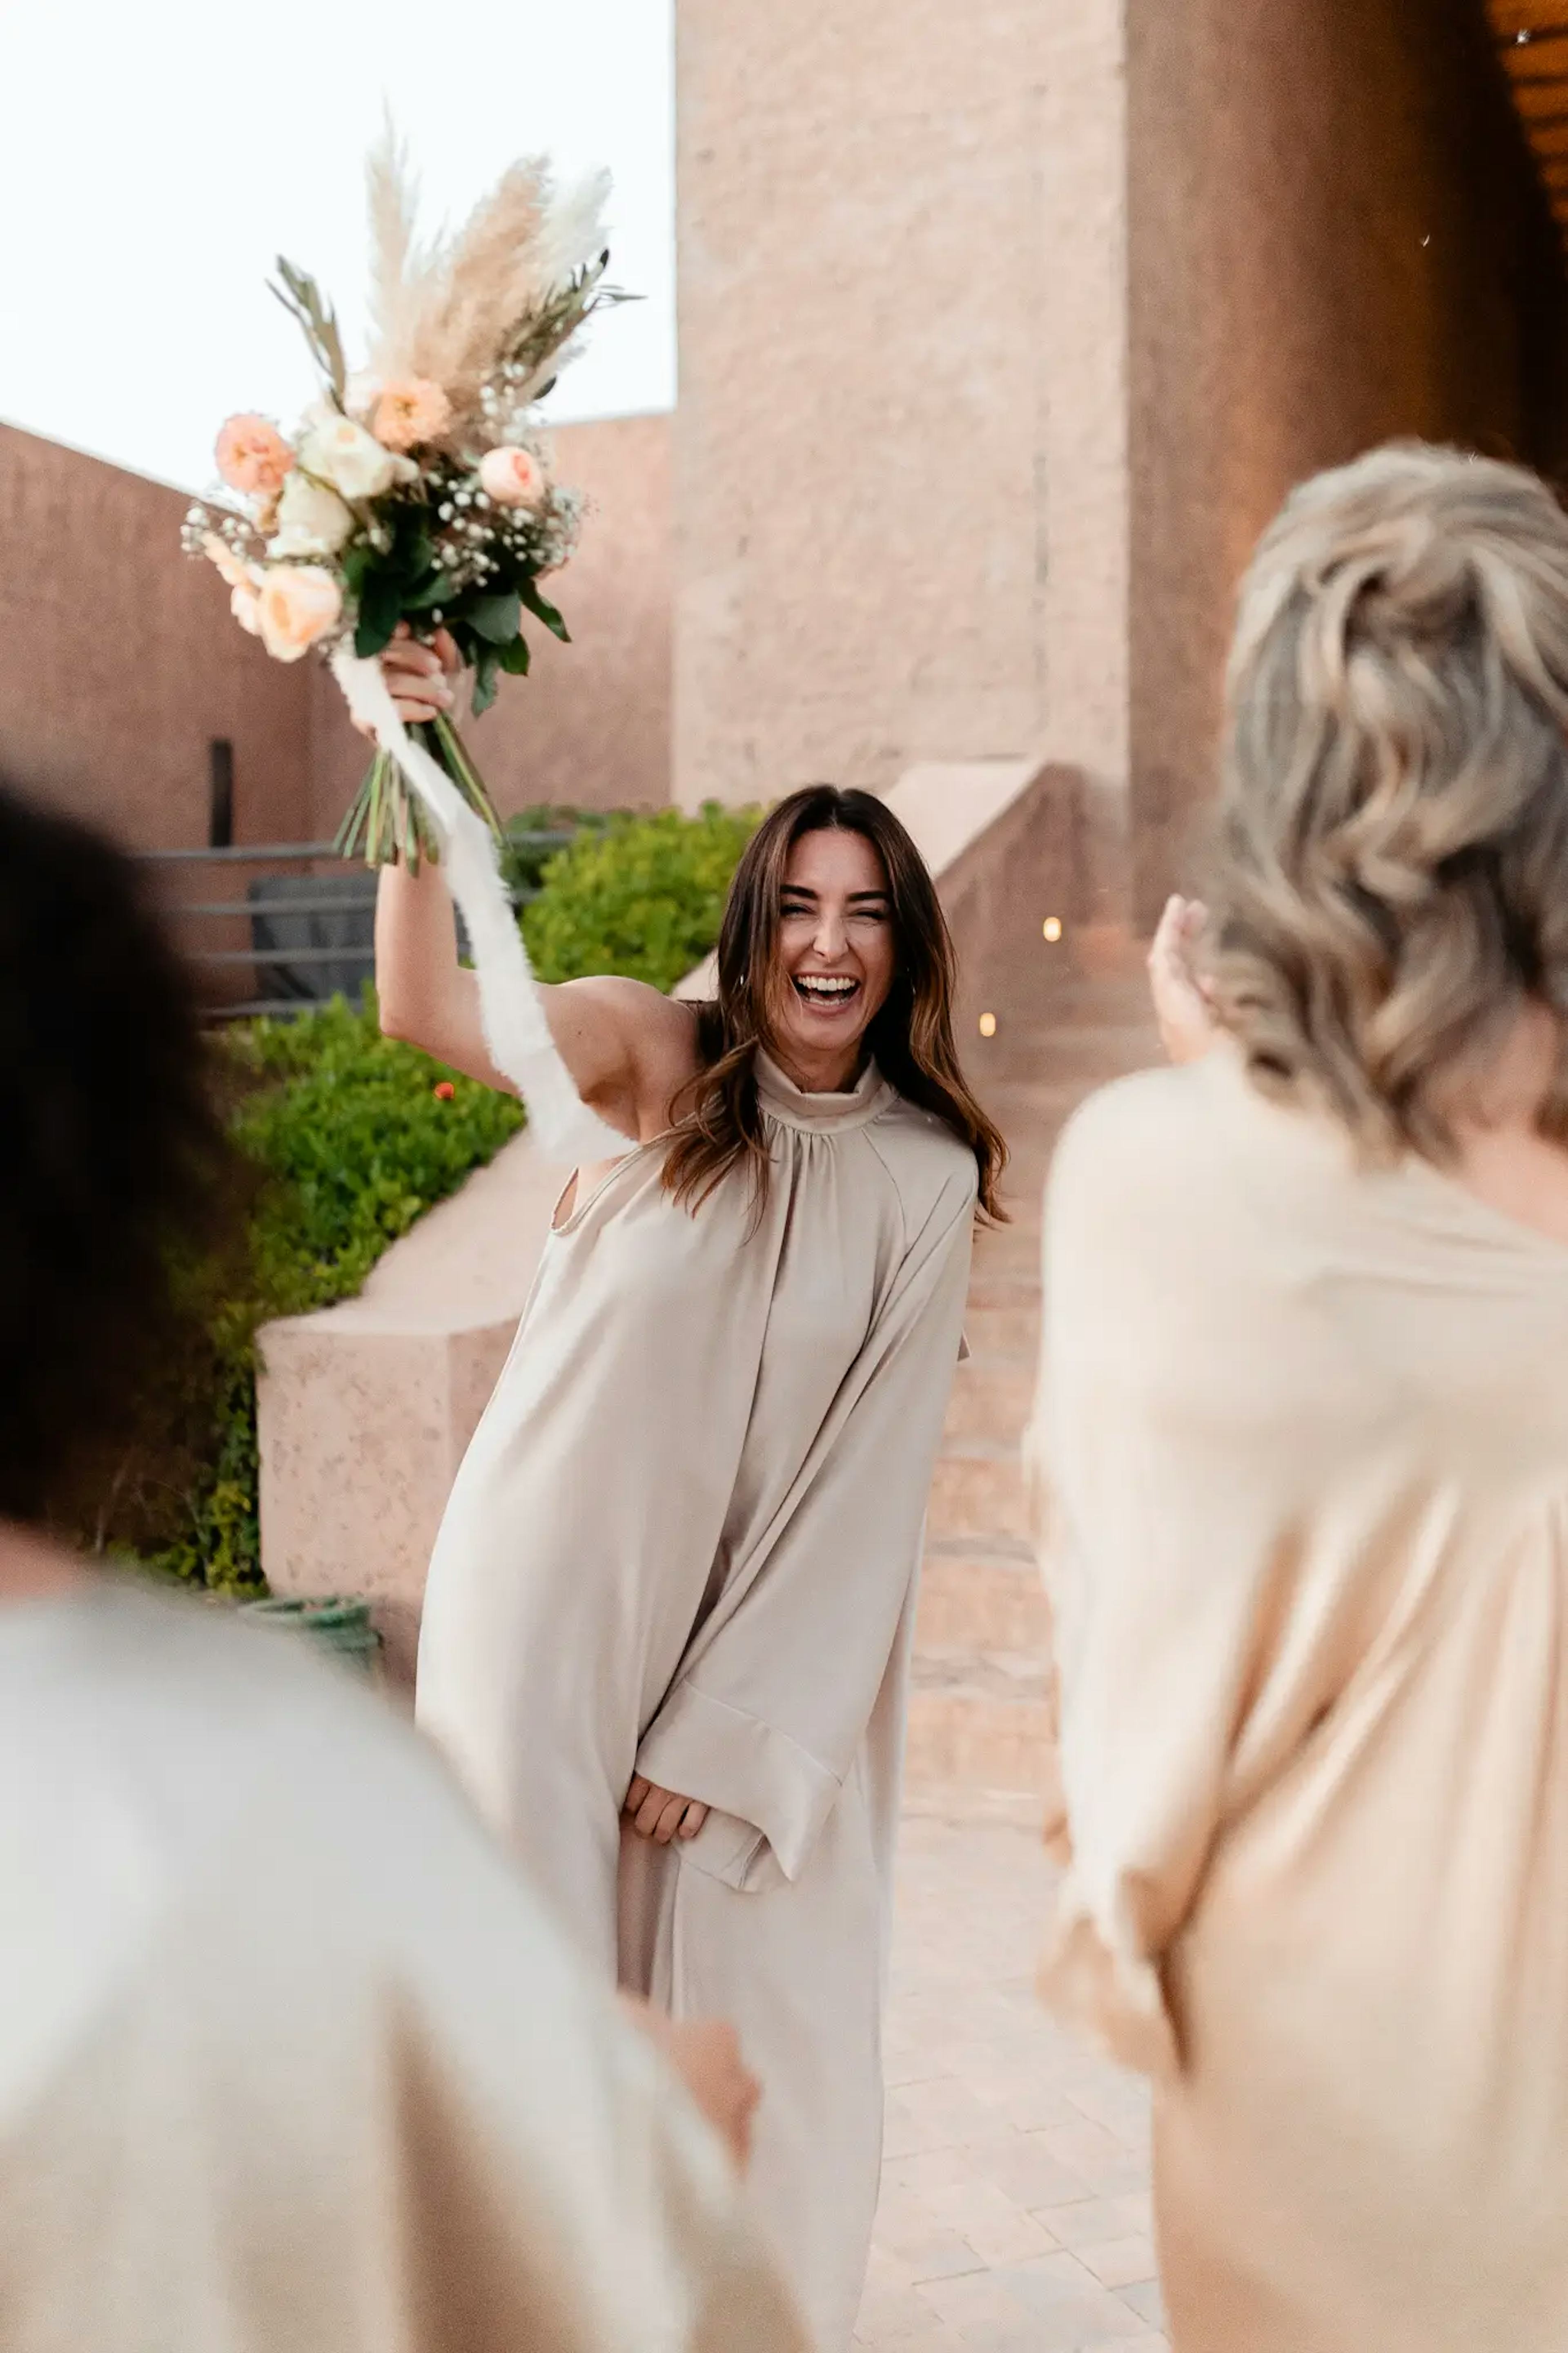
<point x="591" y="722"/>
<point x="901" y="465"/>
<point x="1335" y="239"/>
<point x="120" y="662"/>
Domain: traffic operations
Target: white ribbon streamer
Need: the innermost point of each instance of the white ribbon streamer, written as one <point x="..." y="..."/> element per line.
<point x="516" y="1030"/>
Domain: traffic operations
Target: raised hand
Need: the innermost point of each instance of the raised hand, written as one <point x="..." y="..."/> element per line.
<point x="1183" y="1006"/>
<point x="706" y="2054"/>
<point x="662" y="1814"/>
<point x="420" y="676"/>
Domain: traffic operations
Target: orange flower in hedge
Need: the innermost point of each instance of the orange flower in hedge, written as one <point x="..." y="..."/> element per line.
<point x="444" y="1089"/>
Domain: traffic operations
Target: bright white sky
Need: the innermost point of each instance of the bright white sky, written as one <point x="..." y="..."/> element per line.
<point x="157" y="153"/>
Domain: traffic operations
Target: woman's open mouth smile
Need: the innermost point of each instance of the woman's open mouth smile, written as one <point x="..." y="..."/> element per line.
<point x="825" y="992"/>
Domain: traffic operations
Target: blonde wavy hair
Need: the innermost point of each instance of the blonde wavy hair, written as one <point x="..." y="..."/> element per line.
<point x="1391" y="886"/>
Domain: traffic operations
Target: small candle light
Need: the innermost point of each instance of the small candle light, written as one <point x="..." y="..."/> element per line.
<point x="1051" y="929"/>
<point x="988" y="1024"/>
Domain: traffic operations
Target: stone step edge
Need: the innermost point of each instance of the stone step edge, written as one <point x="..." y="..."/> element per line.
<point x="937" y="1666"/>
<point x="1014" y="1553"/>
<point x="937" y="1674"/>
<point x="957" y="1801"/>
<point x="979" y="1450"/>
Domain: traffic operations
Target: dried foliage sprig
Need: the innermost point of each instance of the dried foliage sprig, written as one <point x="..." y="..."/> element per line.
<point x="301" y="298"/>
<point x="393" y="205"/>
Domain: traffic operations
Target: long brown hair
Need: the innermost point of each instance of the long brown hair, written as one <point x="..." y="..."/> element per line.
<point x="720" y="1126"/>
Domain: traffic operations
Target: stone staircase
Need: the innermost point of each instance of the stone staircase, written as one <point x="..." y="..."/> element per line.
<point x="979" y="1727"/>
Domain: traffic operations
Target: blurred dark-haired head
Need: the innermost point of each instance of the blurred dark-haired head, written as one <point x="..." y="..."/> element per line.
<point x="111" y="1156"/>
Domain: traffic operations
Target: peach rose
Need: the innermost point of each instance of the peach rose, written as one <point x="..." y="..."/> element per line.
<point x="298" y="603"/>
<point x="245" y="606"/>
<point x="411" y="411"/>
<point x="512" y="476"/>
<point x="232" y="568"/>
<point x="253" y="456"/>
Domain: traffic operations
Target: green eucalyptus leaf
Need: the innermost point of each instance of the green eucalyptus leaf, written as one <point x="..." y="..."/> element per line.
<point x="357" y="562"/>
<point x="380" y="611"/>
<point x="543" y="610"/>
<point x="435" y="590"/>
<point x="412" y="544"/>
<point x="496" y="619"/>
<point x="516" y="658"/>
<point x="485" y="671"/>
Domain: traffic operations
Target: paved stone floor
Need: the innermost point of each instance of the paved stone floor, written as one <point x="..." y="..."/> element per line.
<point x="1015" y="2213"/>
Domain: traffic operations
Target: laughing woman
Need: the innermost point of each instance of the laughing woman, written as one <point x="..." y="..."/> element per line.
<point x="668" y="1619"/>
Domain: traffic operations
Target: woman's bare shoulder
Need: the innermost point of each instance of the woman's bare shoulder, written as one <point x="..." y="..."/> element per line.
<point x="660" y="1032"/>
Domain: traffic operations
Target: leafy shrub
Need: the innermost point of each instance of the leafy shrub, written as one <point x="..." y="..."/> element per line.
<point x="644" y="896"/>
<point x="523" y="858"/>
<point x="350" y="1144"/>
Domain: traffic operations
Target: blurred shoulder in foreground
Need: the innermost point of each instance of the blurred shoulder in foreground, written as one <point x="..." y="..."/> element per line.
<point x="287" y="2057"/>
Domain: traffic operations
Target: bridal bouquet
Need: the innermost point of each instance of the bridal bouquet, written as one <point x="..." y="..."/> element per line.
<point x="419" y="490"/>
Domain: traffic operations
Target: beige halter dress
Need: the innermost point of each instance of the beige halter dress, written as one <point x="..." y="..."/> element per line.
<point x="684" y="1541"/>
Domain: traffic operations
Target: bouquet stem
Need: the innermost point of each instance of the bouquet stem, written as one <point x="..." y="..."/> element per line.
<point x="389" y="822"/>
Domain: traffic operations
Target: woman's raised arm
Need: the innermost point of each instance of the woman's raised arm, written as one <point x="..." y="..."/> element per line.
<point x="425" y="995"/>
<point x="627" y="1049"/>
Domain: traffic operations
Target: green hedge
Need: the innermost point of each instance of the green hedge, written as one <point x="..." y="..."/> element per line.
<point x="643" y="897"/>
<point x="349" y="1143"/>
<point x="522" y="861"/>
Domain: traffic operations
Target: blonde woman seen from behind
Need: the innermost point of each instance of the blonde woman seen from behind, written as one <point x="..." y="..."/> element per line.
<point x="1304" y="1434"/>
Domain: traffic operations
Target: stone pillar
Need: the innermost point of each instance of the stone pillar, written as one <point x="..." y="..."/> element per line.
<point x="901" y="445"/>
<point x="1336" y="238"/>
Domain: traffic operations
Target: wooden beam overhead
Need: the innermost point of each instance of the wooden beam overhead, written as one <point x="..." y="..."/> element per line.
<point x="1532" y="38"/>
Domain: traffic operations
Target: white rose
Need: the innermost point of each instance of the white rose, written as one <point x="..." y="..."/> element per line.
<point x="342" y="453"/>
<point x="312" y="520"/>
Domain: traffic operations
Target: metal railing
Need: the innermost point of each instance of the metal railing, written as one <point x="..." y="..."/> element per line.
<point x="298" y="936"/>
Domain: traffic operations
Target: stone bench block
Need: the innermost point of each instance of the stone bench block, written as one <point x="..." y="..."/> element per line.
<point x="365" y="1409"/>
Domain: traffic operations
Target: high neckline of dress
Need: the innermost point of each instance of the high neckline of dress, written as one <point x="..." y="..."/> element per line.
<point x="782" y="1100"/>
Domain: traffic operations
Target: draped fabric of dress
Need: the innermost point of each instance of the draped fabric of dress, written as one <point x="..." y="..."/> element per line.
<point x="1303" y="1438"/>
<point x="290" y="2061"/>
<point x="684" y="1541"/>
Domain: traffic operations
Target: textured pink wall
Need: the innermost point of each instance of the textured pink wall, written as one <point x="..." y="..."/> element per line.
<point x="591" y="722"/>
<point x="868" y="335"/>
<point x="1335" y="239"/>
<point x="118" y="661"/>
